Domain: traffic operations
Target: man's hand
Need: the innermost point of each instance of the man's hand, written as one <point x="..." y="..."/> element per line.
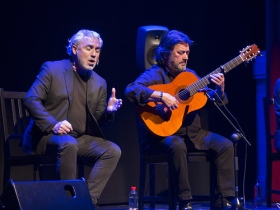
<point x="113" y="104"/>
<point x="219" y="80"/>
<point x="62" y="127"/>
<point x="170" y="101"/>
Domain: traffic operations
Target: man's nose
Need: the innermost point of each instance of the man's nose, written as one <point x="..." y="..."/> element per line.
<point x="185" y="56"/>
<point x="93" y="54"/>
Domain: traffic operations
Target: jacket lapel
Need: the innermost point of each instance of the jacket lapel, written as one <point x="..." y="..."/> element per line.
<point x="69" y="80"/>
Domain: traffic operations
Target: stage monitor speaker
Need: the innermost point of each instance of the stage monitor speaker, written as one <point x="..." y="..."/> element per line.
<point x="46" y="195"/>
<point x="148" y="38"/>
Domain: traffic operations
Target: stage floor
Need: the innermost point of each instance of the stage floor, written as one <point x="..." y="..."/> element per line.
<point x="196" y="206"/>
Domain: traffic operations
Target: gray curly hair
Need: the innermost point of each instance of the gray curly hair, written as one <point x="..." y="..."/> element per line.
<point x="80" y="35"/>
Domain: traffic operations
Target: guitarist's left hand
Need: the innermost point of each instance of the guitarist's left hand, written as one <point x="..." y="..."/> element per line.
<point x="219" y="80"/>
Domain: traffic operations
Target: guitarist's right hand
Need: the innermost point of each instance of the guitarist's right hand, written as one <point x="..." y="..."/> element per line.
<point x="168" y="100"/>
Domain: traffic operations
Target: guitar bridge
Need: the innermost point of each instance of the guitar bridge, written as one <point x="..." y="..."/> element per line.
<point x="163" y="112"/>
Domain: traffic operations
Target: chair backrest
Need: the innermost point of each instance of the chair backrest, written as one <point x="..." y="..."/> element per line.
<point x="269" y="114"/>
<point x="13" y="117"/>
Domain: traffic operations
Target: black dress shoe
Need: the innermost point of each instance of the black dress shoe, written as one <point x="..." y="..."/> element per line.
<point x="226" y="206"/>
<point x="222" y="204"/>
<point x="185" y="205"/>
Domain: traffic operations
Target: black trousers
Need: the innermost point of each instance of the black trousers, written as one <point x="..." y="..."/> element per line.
<point x="102" y="154"/>
<point x="176" y="149"/>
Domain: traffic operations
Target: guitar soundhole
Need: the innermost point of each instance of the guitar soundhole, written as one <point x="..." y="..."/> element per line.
<point x="184" y="94"/>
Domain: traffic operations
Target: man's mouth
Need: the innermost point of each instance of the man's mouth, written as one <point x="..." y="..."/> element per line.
<point x="91" y="62"/>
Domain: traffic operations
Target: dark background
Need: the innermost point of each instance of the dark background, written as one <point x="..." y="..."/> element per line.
<point x="37" y="31"/>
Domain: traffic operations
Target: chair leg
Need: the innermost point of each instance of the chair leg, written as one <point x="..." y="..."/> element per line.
<point x="81" y="170"/>
<point x="268" y="183"/>
<point x="152" y="185"/>
<point x="42" y="172"/>
<point x="35" y="169"/>
<point x="142" y="181"/>
<point x="7" y="174"/>
<point x="172" y="192"/>
<point x="212" y="174"/>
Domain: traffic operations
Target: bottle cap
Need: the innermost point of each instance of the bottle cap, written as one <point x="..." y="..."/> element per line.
<point x="133" y="188"/>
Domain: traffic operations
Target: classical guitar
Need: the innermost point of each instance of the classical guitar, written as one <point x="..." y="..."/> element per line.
<point x="165" y="122"/>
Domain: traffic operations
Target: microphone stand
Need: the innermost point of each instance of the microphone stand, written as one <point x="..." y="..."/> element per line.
<point x="237" y="135"/>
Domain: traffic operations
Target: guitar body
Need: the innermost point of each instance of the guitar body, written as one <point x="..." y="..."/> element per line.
<point x="166" y="126"/>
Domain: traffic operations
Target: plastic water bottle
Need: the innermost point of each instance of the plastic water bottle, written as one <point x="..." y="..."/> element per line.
<point x="133" y="199"/>
<point x="257" y="195"/>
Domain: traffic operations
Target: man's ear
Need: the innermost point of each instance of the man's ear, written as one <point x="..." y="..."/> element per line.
<point x="74" y="49"/>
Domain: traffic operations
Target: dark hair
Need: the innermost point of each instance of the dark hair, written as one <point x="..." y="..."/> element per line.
<point x="167" y="43"/>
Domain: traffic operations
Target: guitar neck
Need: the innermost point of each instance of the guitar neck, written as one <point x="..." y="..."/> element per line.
<point x="193" y="88"/>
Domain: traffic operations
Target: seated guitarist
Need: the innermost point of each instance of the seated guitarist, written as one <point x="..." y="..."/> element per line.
<point x="172" y="56"/>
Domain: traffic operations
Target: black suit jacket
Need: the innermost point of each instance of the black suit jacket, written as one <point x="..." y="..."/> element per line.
<point x="50" y="97"/>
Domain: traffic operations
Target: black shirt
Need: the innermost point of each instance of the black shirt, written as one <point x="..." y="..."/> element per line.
<point x="77" y="113"/>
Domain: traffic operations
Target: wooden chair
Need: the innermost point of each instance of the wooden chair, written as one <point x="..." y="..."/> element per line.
<point x="149" y="196"/>
<point x="14" y="119"/>
<point x="271" y="154"/>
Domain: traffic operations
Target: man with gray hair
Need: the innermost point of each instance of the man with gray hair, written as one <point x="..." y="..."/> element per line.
<point x="67" y="104"/>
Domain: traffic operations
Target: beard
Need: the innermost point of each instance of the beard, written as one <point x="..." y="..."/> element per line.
<point x="83" y="66"/>
<point x="176" y="68"/>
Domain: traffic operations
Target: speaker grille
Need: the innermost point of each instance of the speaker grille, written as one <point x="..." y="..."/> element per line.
<point x="148" y="38"/>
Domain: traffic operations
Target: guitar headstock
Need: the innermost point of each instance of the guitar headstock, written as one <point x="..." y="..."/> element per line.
<point x="250" y="52"/>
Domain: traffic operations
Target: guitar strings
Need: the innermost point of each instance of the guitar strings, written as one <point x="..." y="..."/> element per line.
<point x="253" y="49"/>
<point x="192" y="89"/>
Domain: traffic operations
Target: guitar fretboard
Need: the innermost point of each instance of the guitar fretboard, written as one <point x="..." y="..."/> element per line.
<point x="193" y="88"/>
